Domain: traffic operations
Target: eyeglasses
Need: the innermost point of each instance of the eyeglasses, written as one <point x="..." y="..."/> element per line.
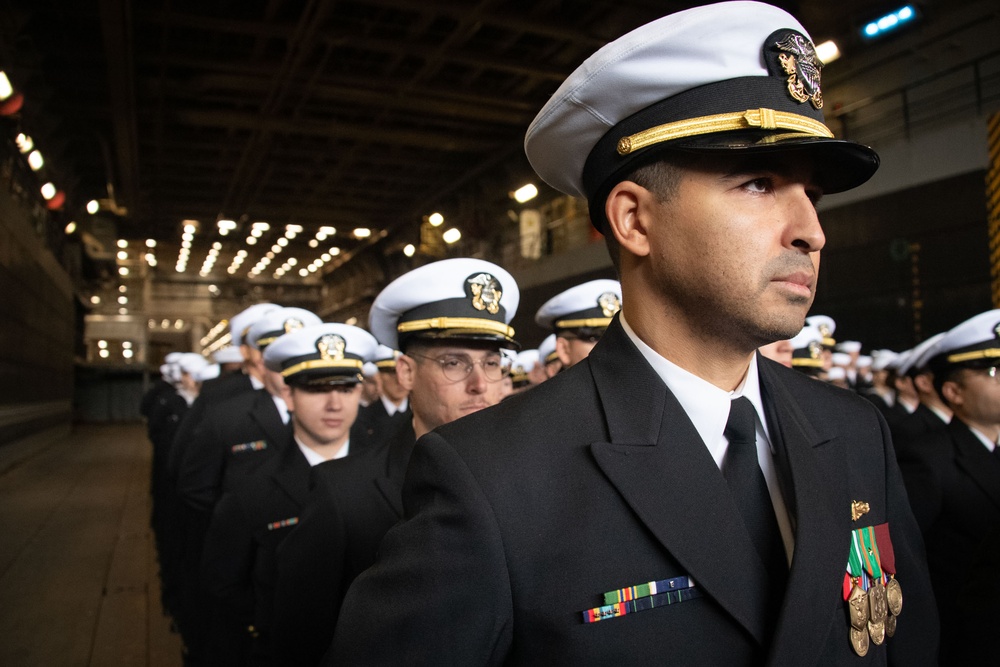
<point x="458" y="367"/>
<point x="992" y="371"/>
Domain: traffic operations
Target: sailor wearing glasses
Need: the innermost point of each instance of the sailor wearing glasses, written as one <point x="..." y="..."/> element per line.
<point x="953" y="476"/>
<point x="450" y="319"/>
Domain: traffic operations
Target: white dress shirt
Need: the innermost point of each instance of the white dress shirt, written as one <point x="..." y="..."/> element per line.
<point x="315" y="459"/>
<point x="391" y="408"/>
<point x="707" y="406"/>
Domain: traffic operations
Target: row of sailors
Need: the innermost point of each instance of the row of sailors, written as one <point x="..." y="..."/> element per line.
<point x="274" y="488"/>
<point x="941" y="402"/>
<point x="282" y="447"/>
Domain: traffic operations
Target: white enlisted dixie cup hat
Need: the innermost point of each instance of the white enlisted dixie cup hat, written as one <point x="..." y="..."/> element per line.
<point x="454" y="299"/>
<point x="229" y="354"/>
<point x="547" y="350"/>
<point x="321" y="354"/>
<point x="975" y="343"/>
<point x="732" y="76"/>
<point x="242" y="321"/>
<point x="826" y="326"/>
<point x="864" y="361"/>
<point x="589" y="306"/>
<point x="836" y="373"/>
<point x="276" y="323"/>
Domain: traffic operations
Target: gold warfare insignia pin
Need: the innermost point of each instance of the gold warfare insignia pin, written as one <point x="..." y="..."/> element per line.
<point x="331" y="347"/>
<point x="858" y="509"/>
<point x="609" y="303"/>
<point x="798" y="60"/>
<point x="486" y="292"/>
<point x="292" y="323"/>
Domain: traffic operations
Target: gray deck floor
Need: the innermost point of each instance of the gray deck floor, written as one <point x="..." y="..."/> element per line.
<point x="78" y="573"/>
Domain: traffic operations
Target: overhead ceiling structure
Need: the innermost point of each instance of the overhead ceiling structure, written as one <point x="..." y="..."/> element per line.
<point x="317" y="113"/>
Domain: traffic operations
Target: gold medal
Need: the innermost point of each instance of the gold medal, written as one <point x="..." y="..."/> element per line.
<point x="890" y="625"/>
<point x="859" y="641"/>
<point x="894" y="596"/>
<point x="876" y="604"/>
<point x="857" y="607"/>
<point x="877" y="632"/>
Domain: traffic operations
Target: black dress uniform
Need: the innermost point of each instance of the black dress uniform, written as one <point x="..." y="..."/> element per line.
<point x="238" y="562"/>
<point x="915" y="425"/>
<point x="954" y="484"/>
<point x="353" y="503"/>
<point x="379" y="424"/>
<point x="238" y="434"/>
<point x="521" y="516"/>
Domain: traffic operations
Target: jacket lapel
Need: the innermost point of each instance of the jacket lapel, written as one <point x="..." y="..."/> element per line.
<point x="293" y="475"/>
<point x="973" y="458"/>
<point x="663" y="470"/>
<point x="265" y="413"/>
<point x="822" y="527"/>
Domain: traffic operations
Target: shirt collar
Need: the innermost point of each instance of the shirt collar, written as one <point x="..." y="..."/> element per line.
<point x="989" y="444"/>
<point x="279" y="403"/>
<point x="255" y="383"/>
<point x="314" y="458"/>
<point x="391" y="407"/>
<point x="706" y="405"/>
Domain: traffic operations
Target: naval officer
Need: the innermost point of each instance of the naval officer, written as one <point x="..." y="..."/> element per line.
<point x="451" y="320"/>
<point x="673" y="498"/>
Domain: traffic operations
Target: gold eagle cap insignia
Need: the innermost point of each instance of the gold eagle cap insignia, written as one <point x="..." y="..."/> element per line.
<point x="609" y="303"/>
<point x="799" y="61"/>
<point x="486" y="293"/>
<point x="331" y="347"/>
<point x="292" y="324"/>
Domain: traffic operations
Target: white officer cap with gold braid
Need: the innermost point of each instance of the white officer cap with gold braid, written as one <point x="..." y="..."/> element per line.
<point x="191" y="363"/>
<point x="547" y="350"/>
<point x="276" y="323"/>
<point x="916" y="361"/>
<point x="589" y="306"/>
<point x="806" y="348"/>
<point x="230" y="354"/>
<point x="975" y="343"/>
<point x="523" y="364"/>
<point x="385" y="358"/>
<point x="207" y="372"/>
<point x="321" y="354"/>
<point x="826" y="326"/>
<point x="454" y="299"/>
<point x="241" y="322"/>
<point x="733" y="76"/>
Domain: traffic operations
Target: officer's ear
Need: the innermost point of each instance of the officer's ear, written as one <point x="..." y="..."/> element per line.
<point x="951" y="393"/>
<point x="562" y="351"/>
<point x="629" y="210"/>
<point x="406" y="368"/>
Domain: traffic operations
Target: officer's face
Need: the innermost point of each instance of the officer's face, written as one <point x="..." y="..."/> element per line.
<point x="975" y="396"/>
<point x="324" y="416"/>
<point x="437" y="400"/>
<point x="573" y="349"/>
<point x="734" y="253"/>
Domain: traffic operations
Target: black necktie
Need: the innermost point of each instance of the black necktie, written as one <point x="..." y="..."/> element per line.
<point x="746" y="481"/>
